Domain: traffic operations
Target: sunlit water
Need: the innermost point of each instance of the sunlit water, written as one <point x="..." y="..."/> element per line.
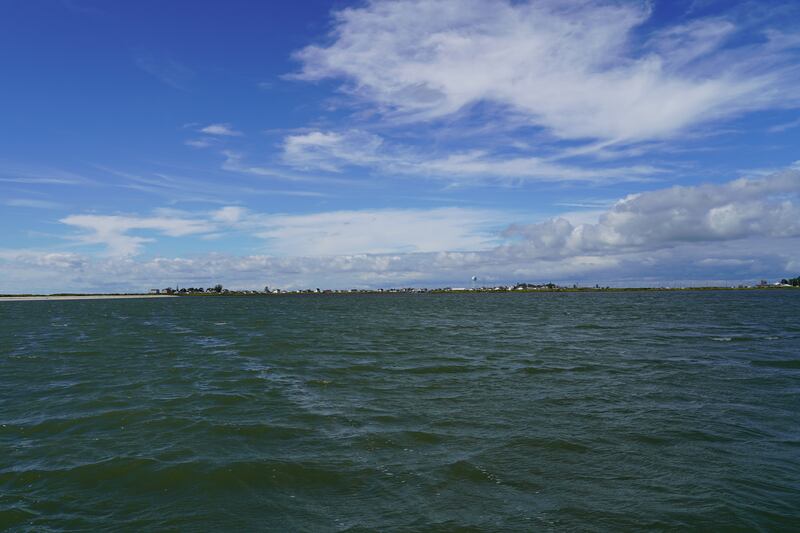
<point x="573" y="411"/>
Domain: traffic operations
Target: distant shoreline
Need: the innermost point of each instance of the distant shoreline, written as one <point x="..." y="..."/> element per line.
<point x="64" y="297"/>
<point x="35" y="298"/>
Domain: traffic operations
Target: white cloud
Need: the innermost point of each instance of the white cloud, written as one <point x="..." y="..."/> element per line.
<point x="573" y="67"/>
<point x="329" y="151"/>
<point x="746" y="229"/>
<point x="229" y="214"/>
<point x="226" y="130"/>
<point x="749" y="259"/>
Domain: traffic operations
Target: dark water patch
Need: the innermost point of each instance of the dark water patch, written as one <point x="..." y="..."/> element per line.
<point x="599" y="327"/>
<point x="11" y="517"/>
<point x="250" y="430"/>
<point x="78" y="422"/>
<point x="548" y="444"/>
<point x="791" y="364"/>
<point x="652" y="439"/>
<point x="398" y="440"/>
<point x="439" y="369"/>
<point x="533" y="370"/>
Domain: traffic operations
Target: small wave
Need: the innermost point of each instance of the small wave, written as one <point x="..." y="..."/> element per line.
<point x="466" y="470"/>
<point x="397" y="439"/>
<point x="557" y="369"/>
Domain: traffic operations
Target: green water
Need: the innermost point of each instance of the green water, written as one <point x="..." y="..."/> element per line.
<point x="541" y="412"/>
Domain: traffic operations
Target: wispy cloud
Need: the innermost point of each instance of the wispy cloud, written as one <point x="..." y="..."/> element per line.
<point x="33" y="203"/>
<point x="779" y="128"/>
<point x="236" y="162"/>
<point x="114" y="231"/>
<point x="38" y="175"/>
<point x="374" y="231"/>
<point x="167" y="70"/>
<point x="199" y="143"/>
<point x="338" y="151"/>
<point x="225" y="130"/>
<point x="371" y="231"/>
<point x="176" y="188"/>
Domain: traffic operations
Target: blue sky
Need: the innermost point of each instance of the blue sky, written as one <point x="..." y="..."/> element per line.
<point x="407" y="143"/>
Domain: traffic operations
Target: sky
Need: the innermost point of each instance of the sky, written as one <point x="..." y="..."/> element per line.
<point x="368" y="144"/>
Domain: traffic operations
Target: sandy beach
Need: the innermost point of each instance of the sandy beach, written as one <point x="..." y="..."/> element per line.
<point x="83" y="297"/>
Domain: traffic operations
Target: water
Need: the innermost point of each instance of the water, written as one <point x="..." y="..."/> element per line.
<point x="591" y="412"/>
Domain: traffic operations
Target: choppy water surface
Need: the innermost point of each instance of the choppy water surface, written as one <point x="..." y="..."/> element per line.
<point x="602" y="411"/>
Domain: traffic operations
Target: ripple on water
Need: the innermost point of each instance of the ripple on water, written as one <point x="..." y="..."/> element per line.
<point x="492" y="412"/>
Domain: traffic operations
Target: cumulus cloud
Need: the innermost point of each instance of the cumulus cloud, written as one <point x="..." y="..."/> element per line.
<point x="577" y="68"/>
<point x="740" y="209"/>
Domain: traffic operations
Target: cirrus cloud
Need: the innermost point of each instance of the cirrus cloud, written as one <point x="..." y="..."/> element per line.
<point x="337" y="151"/>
